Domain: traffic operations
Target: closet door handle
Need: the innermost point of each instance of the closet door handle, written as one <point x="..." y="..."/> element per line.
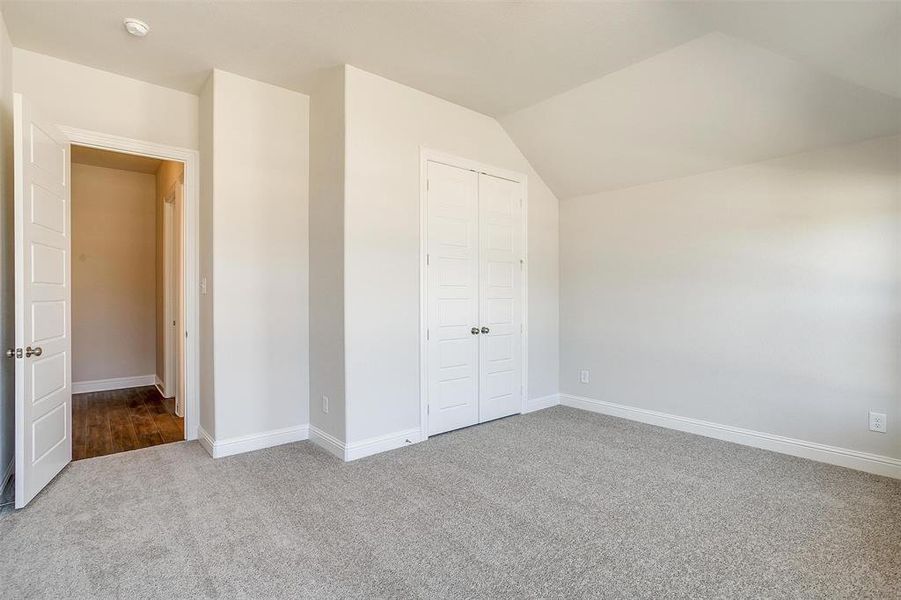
<point x="36" y="351"/>
<point x="485" y="330"/>
<point x="474" y="331"/>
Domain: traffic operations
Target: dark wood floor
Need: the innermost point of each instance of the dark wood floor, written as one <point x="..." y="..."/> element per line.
<point x="120" y="420"/>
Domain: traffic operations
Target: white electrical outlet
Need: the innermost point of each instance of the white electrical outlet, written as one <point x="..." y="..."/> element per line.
<point x="877" y="422"/>
<point x="585" y="376"/>
<point x="325" y="404"/>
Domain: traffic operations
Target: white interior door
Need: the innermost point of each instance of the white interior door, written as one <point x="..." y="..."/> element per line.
<point x="452" y="297"/>
<point x="500" y="297"/>
<point x="170" y="374"/>
<point x="43" y="299"/>
<point x="179" y="289"/>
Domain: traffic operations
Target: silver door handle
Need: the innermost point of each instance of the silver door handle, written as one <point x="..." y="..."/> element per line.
<point x="14" y="353"/>
<point x="485" y="330"/>
<point x="474" y="331"/>
<point x="36" y="351"/>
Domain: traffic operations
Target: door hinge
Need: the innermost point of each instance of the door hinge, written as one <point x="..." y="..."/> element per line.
<point x="521" y="264"/>
<point x="428" y="409"/>
<point x="427" y="333"/>
<point x="427" y="184"/>
<point x="428" y="259"/>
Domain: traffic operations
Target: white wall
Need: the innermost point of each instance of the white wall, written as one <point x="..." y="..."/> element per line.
<point x="260" y="143"/>
<point x="206" y="334"/>
<point x="327" y="253"/>
<point x="766" y="296"/>
<point x="7" y="299"/>
<point x="113" y="273"/>
<point x="386" y="124"/>
<point x="78" y="96"/>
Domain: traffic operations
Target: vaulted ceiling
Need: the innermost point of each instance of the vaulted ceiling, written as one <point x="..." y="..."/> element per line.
<point x="597" y="95"/>
<point x="711" y="103"/>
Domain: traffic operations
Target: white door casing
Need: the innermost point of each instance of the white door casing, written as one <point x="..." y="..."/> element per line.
<point x="43" y="300"/>
<point x="189" y="235"/>
<point x="453" y="288"/>
<point x="499" y="272"/>
<point x="500" y="297"/>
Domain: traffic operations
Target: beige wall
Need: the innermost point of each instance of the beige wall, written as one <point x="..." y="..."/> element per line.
<point x="113" y="273"/>
<point x="766" y="297"/>
<point x="78" y="96"/>
<point x="7" y="300"/>
<point x="260" y="178"/>
<point x="169" y="175"/>
<point x="387" y="123"/>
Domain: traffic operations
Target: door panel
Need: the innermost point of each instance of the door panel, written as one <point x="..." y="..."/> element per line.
<point x="42" y="247"/>
<point x="500" y="293"/>
<point x="452" y="292"/>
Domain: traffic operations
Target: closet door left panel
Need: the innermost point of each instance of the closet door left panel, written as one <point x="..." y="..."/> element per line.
<point x="452" y="297"/>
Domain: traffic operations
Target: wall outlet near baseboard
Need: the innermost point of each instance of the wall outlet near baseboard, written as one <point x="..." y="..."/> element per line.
<point x="325" y="404"/>
<point x="584" y="376"/>
<point x="877" y="422"/>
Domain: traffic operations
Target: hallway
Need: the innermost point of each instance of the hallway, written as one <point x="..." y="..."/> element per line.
<point x="121" y="420"/>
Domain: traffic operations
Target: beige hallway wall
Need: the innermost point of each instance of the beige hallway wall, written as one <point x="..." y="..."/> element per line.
<point x="113" y="273"/>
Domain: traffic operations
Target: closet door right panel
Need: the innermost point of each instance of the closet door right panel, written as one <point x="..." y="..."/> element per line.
<point x="500" y="293"/>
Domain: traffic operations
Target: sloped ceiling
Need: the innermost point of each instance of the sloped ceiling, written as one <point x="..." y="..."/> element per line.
<point x="711" y="103"/>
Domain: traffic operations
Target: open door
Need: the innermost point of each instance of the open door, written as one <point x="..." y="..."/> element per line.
<point x="43" y="351"/>
<point x="170" y="301"/>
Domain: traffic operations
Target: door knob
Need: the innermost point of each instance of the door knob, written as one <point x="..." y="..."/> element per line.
<point x="14" y="353"/>
<point x="485" y="330"/>
<point x="474" y="331"/>
<point x="36" y="351"/>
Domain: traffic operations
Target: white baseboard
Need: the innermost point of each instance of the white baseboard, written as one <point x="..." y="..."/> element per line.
<point x="116" y="383"/>
<point x="381" y="443"/>
<point x="327" y="442"/>
<point x="844" y="457"/>
<point x="7" y="473"/>
<point x="161" y="388"/>
<point x="255" y="441"/>
<point x="367" y="447"/>
<point x="534" y="404"/>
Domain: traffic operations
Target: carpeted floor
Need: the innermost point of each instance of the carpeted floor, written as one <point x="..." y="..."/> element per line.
<point x="555" y="504"/>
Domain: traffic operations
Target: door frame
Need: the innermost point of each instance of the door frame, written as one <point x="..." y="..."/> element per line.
<point x="427" y="155"/>
<point x="190" y="231"/>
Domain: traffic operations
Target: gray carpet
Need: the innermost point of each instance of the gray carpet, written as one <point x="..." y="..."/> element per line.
<point x="556" y="504"/>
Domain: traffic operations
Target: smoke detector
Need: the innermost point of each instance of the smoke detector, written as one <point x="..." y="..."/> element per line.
<point x="136" y="27"/>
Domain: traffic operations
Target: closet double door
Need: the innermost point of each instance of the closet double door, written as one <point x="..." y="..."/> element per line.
<point x="473" y="297"/>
